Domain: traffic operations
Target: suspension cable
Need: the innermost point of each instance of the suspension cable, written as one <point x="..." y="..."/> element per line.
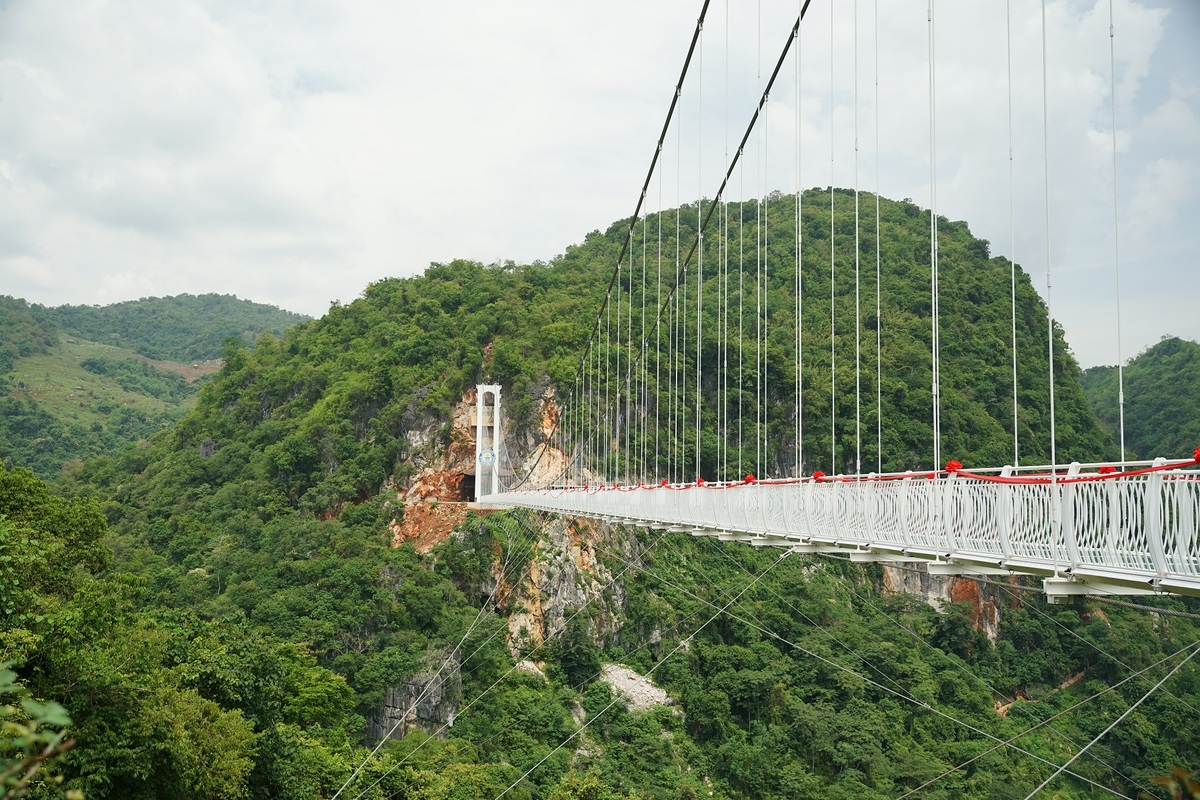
<point x="1056" y="521"/>
<point x="758" y="271"/>
<point x="798" y="389"/>
<point x="933" y="247"/>
<point x="723" y="404"/>
<point x="878" y="271"/>
<point x="1012" y="235"/>
<point x="1112" y="80"/>
<point x="1115" y="722"/>
<point x="857" y="265"/>
<point x="833" y="463"/>
<point x="699" y="246"/>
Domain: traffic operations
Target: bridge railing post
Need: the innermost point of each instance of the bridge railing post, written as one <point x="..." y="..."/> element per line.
<point x="1004" y="513"/>
<point x="1153" y="523"/>
<point x="1070" y="528"/>
<point x="944" y="509"/>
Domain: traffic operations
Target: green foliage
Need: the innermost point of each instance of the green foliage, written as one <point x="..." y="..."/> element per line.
<point x="181" y="328"/>
<point x="32" y="739"/>
<point x="223" y="611"/>
<point x="138" y="376"/>
<point x="77" y="399"/>
<point x="975" y="351"/>
<point x="21" y="332"/>
<point x="1161" y="386"/>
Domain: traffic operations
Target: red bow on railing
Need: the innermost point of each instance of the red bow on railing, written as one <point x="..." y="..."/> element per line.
<point x="818" y="475"/>
<point x="953" y="466"/>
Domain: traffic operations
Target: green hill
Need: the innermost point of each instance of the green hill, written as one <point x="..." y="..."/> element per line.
<point x="180" y="328"/>
<point x="256" y="619"/>
<point x="76" y="381"/>
<point x="1161" y="386"/>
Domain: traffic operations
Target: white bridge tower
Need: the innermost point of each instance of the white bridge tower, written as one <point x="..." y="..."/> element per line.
<point x="488" y="439"/>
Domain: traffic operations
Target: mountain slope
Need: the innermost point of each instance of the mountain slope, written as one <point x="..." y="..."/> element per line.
<point x="64" y="397"/>
<point x="259" y="531"/>
<point x="1161" y="386"/>
<point x="180" y="328"/>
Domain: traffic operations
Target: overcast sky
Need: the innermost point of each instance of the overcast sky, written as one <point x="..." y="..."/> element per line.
<point x="293" y="152"/>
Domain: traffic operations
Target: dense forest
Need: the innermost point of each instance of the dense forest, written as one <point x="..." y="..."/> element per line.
<point x="180" y="328"/>
<point x="222" y="611"/>
<point x="1161" y="386"/>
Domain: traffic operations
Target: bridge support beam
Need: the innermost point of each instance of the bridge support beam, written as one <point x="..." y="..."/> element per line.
<point x="1060" y="589"/>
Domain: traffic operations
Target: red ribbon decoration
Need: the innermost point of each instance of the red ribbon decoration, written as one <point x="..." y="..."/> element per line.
<point x="953" y="466"/>
<point x="818" y="475"/>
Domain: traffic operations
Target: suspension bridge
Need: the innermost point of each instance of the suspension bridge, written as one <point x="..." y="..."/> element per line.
<point x="680" y="417"/>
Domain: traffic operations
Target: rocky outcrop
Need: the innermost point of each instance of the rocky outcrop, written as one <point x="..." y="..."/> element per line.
<point x="565" y="575"/>
<point x="428" y="700"/>
<point x="638" y="692"/>
<point x="426" y="523"/>
<point x="985" y="600"/>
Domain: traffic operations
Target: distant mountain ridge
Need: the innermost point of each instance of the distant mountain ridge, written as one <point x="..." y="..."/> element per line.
<point x="181" y="328"/>
<point x="75" y="380"/>
<point x="1161" y="386"/>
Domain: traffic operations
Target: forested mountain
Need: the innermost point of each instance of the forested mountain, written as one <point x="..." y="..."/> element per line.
<point x="1161" y="387"/>
<point x="180" y="328"/>
<point x="68" y="391"/>
<point x="21" y="332"/>
<point x="224" y="613"/>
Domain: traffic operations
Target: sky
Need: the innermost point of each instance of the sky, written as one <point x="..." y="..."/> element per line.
<point x="294" y="152"/>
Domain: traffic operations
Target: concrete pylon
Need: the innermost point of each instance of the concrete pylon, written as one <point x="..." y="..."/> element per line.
<point x="488" y="439"/>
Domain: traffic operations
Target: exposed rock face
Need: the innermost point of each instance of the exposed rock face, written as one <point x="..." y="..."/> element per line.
<point x="443" y="454"/>
<point x="564" y="576"/>
<point x="911" y="578"/>
<point x="429" y="700"/>
<point x="638" y="692"/>
<point x="427" y="523"/>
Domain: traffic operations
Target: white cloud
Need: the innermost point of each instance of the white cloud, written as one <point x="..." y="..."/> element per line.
<point x="294" y="152"/>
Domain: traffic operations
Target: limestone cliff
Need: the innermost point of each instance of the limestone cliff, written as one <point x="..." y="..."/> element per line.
<point x="985" y="600"/>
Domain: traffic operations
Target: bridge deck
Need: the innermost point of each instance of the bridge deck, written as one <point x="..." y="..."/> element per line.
<point x="1133" y="532"/>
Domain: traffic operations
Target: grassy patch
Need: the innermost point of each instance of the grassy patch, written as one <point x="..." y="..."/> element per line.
<point x="61" y="386"/>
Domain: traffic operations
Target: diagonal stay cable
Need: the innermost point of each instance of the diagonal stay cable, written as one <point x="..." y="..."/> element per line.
<point x="1095" y="646"/>
<point x="434" y="680"/>
<point x="1047" y="721"/>
<point x="756" y="625"/>
<point x="1114" y="723"/>
<point x="577" y="687"/>
<point x="498" y="681"/>
<point x="965" y="669"/>
<point x="428" y="687"/>
<point x="649" y="672"/>
<point x="633" y="562"/>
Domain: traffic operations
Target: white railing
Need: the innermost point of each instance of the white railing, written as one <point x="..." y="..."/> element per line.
<point x="1132" y="532"/>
